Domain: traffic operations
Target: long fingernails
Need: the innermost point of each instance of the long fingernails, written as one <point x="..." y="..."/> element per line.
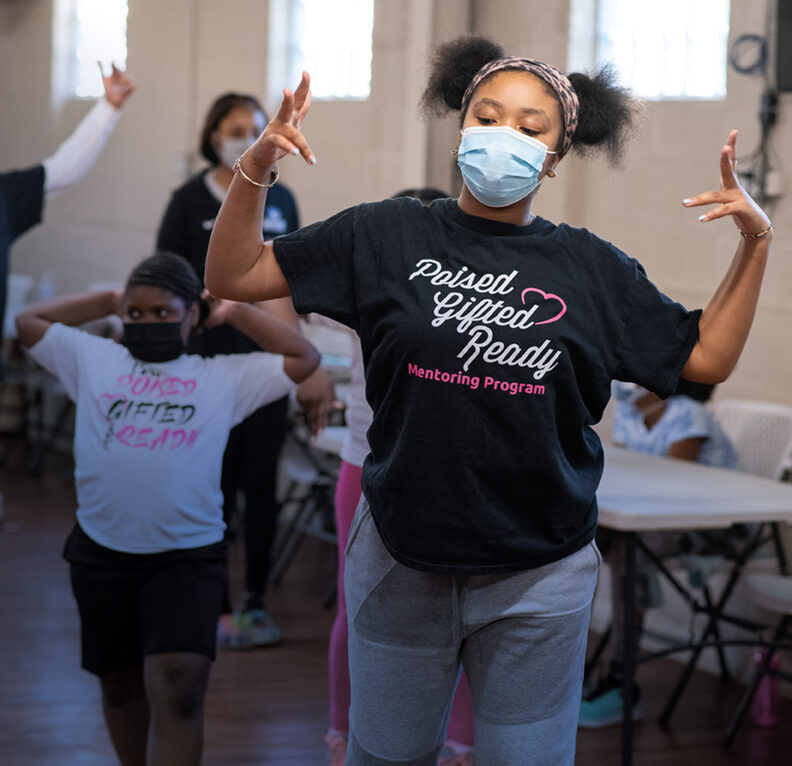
<point x="312" y="160"/>
<point x="703" y="218"/>
<point x="686" y="201"/>
<point x="295" y="150"/>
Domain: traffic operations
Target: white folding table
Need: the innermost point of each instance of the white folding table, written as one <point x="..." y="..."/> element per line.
<point x="640" y="493"/>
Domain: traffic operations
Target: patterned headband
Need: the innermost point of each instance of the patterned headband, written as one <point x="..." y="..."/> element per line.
<point x="556" y="79"/>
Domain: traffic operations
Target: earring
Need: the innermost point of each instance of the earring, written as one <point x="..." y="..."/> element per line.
<point x="455" y="151"/>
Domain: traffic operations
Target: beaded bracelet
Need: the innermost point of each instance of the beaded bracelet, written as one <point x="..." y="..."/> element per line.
<point x="274" y="173"/>
<point x="758" y="235"/>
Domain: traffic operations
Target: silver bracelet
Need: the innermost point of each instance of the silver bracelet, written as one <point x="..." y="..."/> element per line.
<point x="274" y="173"/>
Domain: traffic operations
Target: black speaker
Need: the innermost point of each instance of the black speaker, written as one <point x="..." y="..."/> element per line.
<point x="784" y="46"/>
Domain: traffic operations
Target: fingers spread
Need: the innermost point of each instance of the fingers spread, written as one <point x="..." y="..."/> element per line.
<point x="708" y="198"/>
<point x="717" y="212"/>
<point x="291" y="141"/>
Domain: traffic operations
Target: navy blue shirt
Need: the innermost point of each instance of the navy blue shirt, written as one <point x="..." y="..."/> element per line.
<point x="21" y="208"/>
<point x="185" y="230"/>
<point x="489" y="351"/>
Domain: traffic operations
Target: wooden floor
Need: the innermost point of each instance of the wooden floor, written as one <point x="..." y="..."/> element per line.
<point x="264" y="707"/>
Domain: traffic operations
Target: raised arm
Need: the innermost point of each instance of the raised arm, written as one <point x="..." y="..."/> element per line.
<point x="73" y="310"/>
<point x="239" y="264"/>
<point x="727" y="318"/>
<point x="316" y="394"/>
<point x="300" y="357"/>
<point x="77" y="154"/>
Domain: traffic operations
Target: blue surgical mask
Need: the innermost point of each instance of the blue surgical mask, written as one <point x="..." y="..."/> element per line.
<point x="500" y="165"/>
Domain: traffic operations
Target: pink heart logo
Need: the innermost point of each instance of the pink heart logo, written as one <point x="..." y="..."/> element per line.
<point x="109" y="398"/>
<point x="547" y="297"/>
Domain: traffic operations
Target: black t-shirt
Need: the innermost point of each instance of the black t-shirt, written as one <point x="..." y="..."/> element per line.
<point x="21" y="206"/>
<point x="185" y="230"/>
<point x="489" y="352"/>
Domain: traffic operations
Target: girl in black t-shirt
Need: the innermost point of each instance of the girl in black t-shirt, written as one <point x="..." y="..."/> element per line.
<point x="490" y="337"/>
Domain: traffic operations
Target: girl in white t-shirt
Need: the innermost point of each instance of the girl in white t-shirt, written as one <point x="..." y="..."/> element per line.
<point x="147" y="554"/>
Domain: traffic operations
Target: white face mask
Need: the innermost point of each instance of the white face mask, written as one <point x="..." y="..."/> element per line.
<point x="231" y="148"/>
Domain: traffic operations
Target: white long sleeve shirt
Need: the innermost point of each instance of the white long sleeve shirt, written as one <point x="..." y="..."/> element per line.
<point x="77" y="154"/>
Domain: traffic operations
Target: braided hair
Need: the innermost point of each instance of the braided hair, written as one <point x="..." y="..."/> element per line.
<point x="172" y="273"/>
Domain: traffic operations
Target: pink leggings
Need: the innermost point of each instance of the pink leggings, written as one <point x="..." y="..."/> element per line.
<point x="460" y="726"/>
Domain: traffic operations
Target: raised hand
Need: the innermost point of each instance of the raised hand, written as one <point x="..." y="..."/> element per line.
<point x="118" y="86"/>
<point x="731" y="199"/>
<point x="283" y="135"/>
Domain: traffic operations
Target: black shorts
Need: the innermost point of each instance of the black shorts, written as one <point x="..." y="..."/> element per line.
<point x="134" y="605"/>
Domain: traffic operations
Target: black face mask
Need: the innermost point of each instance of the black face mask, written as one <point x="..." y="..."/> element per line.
<point x="153" y="341"/>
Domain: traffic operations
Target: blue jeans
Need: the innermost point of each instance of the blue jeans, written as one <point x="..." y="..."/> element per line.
<point x="521" y="638"/>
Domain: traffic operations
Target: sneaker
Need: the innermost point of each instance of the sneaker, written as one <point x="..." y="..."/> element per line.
<point x="227" y="633"/>
<point x="603" y="706"/>
<point x="246" y="630"/>
<point x="257" y="628"/>
<point x="337" y="743"/>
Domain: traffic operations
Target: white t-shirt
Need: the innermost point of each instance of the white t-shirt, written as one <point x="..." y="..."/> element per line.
<point x="149" y="438"/>
<point x="358" y="411"/>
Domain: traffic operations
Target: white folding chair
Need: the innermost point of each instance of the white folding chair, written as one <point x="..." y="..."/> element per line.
<point x="761" y="433"/>
<point x="310" y="471"/>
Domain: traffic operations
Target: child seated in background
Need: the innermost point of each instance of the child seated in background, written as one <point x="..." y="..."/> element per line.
<point x="678" y="427"/>
<point x="147" y="554"/>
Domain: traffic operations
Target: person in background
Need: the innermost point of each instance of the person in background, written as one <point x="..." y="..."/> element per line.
<point x="490" y="338"/>
<point x="681" y="427"/>
<point x="231" y="125"/>
<point x="147" y="554"/>
<point x="457" y="750"/>
<point x="24" y="192"/>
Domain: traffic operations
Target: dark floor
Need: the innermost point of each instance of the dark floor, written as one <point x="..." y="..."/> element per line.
<point x="265" y="707"/>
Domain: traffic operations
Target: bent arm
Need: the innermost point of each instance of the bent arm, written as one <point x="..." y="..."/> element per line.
<point x="300" y="357"/>
<point x="33" y="322"/>
<point x="240" y="265"/>
<point x="316" y="394"/>
<point x="77" y="154"/>
<point x="726" y="321"/>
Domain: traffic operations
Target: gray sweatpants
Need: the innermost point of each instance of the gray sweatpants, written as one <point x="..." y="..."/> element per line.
<point x="521" y="638"/>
